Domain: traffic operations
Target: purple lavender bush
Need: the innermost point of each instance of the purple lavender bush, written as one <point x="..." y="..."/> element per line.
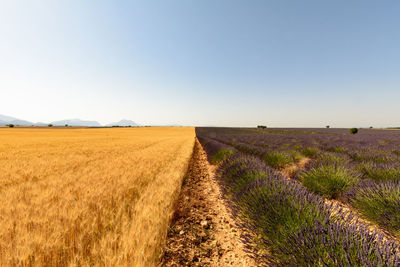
<point x="296" y="226"/>
<point x="379" y="202"/>
<point x="380" y="171"/>
<point x="329" y="181"/>
<point x="216" y="151"/>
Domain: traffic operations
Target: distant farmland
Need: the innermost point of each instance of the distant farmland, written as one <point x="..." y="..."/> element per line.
<point x="88" y="196"/>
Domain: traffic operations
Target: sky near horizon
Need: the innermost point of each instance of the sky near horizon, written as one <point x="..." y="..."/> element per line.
<point x="211" y="62"/>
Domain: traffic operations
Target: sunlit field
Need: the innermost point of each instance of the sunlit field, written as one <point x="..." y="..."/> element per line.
<point x="88" y="196"/>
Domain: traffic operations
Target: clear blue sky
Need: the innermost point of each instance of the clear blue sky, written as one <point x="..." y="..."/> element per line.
<point x="206" y="62"/>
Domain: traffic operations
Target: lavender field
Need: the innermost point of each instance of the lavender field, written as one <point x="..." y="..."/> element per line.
<point x="315" y="197"/>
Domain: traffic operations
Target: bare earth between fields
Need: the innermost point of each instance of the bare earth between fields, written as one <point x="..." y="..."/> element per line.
<point x="203" y="232"/>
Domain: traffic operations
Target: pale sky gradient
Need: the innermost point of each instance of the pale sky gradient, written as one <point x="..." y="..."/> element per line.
<point x="206" y="62"/>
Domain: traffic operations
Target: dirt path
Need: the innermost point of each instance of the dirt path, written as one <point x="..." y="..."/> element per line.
<point x="203" y="232"/>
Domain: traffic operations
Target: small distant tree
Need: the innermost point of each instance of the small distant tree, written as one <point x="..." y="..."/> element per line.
<point x="327" y="126"/>
<point x="50" y="125"/>
<point x="66" y="125"/>
<point x="262" y="127"/>
<point x="353" y="130"/>
<point x="10" y="125"/>
<point x="371" y="127"/>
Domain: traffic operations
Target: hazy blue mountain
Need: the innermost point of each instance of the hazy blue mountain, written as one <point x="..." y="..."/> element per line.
<point x="22" y="122"/>
<point x="41" y="124"/>
<point x="75" y="122"/>
<point x="11" y="120"/>
<point x="4" y="118"/>
<point x="123" y="123"/>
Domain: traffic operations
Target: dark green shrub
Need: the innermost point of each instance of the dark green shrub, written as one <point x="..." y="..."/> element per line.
<point x="50" y="125"/>
<point x="262" y="127"/>
<point x="278" y="160"/>
<point x="329" y="181"/>
<point x="353" y="130"/>
<point x="221" y="155"/>
<point x="10" y="125"/>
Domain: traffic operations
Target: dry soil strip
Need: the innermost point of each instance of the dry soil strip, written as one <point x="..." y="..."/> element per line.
<point x="290" y="170"/>
<point x="203" y="232"/>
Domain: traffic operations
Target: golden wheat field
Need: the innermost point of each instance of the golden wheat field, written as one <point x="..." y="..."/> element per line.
<point x="80" y="197"/>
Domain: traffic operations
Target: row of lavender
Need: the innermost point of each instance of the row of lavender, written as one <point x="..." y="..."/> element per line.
<point x="361" y="170"/>
<point x="295" y="225"/>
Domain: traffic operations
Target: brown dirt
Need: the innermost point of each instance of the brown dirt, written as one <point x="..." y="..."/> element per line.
<point x="203" y="232"/>
<point x="290" y="170"/>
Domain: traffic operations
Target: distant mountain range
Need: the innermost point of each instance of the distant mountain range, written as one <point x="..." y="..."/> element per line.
<point x="4" y="120"/>
<point x="123" y="123"/>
